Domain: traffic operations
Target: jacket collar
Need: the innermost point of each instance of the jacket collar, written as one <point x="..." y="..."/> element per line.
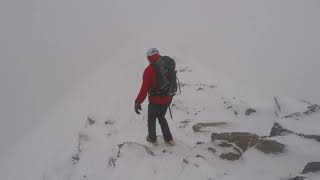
<point x="154" y="58"/>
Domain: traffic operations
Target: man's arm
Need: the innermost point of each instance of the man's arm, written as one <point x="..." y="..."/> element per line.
<point x="144" y="88"/>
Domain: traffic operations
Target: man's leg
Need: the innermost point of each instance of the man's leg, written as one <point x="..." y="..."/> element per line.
<point x="152" y="116"/>
<point x="163" y="122"/>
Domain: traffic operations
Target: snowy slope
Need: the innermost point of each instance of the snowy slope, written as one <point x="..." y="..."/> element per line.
<point x="114" y="147"/>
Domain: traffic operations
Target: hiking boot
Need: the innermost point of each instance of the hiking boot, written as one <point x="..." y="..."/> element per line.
<point x="171" y="143"/>
<point x="152" y="142"/>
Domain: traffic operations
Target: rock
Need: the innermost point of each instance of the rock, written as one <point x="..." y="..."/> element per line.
<point x="312" y="109"/>
<point x="236" y="143"/>
<point x="278" y="130"/>
<point x="296" y="114"/>
<point x="250" y="111"/>
<point x="243" y="140"/>
<point x="270" y="147"/>
<point x="199" y="143"/>
<point x="230" y="156"/>
<point x="311" y="167"/>
<point x="297" y="178"/>
<point x="112" y="162"/>
<point x="109" y="122"/>
<point x="90" y="121"/>
<point x="197" y="127"/>
<point x="212" y="150"/>
<point x="185" y="121"/>
<point x="225" y="144"/>
<point x="75" y="159"/>
<point x="200" y="156"/>
<point x="315" y="137"/>
<point x="237" y="150"/>
<point x="185" y="161"/>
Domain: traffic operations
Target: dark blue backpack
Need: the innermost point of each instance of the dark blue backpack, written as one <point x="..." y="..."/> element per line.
<point x="167" y="81"/>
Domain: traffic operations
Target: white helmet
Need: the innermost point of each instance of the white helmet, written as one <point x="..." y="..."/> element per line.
<point x="152" y="51"/>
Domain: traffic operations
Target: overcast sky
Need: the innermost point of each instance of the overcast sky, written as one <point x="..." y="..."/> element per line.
<point x="48" y="46"/>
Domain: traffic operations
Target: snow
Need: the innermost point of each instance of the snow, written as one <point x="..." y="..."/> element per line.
<point x="75" y="60"/>
<point x="100" y="142"/>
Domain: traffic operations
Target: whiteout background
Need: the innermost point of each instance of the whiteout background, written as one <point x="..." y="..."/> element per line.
<point x="51" y="53"/>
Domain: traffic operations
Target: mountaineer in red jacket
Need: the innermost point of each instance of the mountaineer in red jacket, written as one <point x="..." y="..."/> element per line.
<point x="158" y="105"/>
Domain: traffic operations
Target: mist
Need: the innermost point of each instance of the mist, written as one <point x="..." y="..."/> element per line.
<point x="47" y="47"/>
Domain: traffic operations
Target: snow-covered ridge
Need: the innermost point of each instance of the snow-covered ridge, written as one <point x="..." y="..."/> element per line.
<point x="108" y="148"/>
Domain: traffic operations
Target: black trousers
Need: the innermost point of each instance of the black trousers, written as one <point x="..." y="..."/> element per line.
<point x="158" y="111"/>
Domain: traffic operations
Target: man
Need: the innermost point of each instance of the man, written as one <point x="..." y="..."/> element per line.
<point x="158" y="104"/>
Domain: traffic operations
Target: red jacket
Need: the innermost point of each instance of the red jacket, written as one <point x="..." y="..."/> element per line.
<point x="149" y="83"/>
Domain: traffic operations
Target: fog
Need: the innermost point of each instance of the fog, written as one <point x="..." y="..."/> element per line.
<point x="267" y="47"/>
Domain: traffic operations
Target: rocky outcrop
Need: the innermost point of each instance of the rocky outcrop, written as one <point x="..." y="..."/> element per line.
<point x="230" y="156"/>
<point x="90" y="121"/>
<point x="278" y="130"/>
<point x="236" y="143"/>
<point x="243" y="140"/>
<point x="249" y="111"/>
<point x="198" y="127"/>
<point x="212" y="150"/>
<point x="311" y="167"/>
<point x="270" y="147"/>
<point x="297" y="178"/>
<point x="310" y="110"/>
<point x="314" y="137"/>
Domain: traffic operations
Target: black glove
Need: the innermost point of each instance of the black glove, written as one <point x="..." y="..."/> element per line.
<point x="137" y="108"/>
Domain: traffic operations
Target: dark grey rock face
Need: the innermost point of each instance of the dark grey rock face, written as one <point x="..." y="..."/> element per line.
<point x="230" y="156"/>
<point x="270" y="147"/>
<point x="249" y="111"/>
<point x="297" y="178"/>
<point x="314" y="137"/>
<point x="236" y="143"/>
<point x="225" y="144"/>
<point x="243" y="140"/>
<point x="198" y="127"/>
<point x="311" y="167"/>
<point x="278" y="130"/>
<point x="212" y="150"/>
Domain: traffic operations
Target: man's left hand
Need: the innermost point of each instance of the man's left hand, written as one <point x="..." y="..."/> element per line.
<point x="137" y="108"/>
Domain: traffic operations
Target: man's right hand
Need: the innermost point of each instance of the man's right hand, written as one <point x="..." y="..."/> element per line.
<point x="137" y="107"/>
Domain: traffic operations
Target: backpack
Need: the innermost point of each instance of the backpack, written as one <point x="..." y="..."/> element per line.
<point x="167" y="81"/>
